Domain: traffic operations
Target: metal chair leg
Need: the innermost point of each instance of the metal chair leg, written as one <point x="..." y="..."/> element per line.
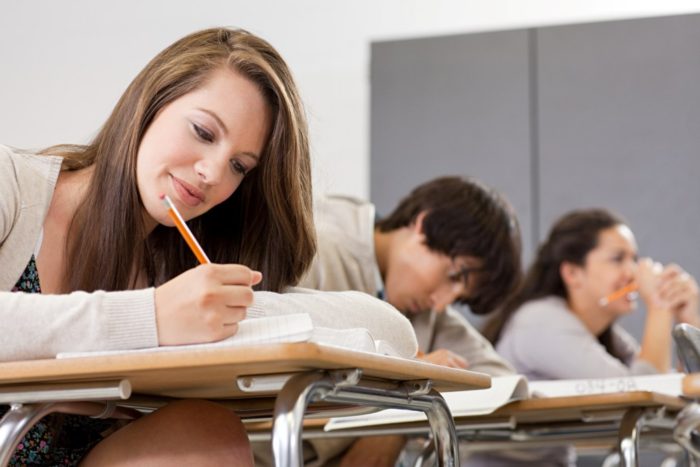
<point x="628" y="441"/>
<point x="345" y="386"/>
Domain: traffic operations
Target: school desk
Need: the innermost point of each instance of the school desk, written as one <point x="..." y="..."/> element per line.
<point x="282" y="380"/>
<point x="598" y="420"/>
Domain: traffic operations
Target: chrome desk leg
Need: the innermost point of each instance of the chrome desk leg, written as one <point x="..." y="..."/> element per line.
<point x="414" y="395"/>
<point x="16" y="423"/>
<point x="444" y="442"/>
<point x="443" y="429"/>
<point x="628" y="440"/>
<point x="22" y="417"/>
<point x="424" y="454"/>
<point x="685" y="432"/>
<point x="344" y="386"/>
<point x="290" y="406"/>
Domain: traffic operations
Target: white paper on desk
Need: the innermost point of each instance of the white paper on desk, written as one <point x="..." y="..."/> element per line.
<point x="503" y="389"/>
<point x="357" y="339"/>
<point x="269" y="330"/>
<point x="670" y="384"/>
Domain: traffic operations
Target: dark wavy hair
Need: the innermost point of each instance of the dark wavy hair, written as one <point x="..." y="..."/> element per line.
<point x="266" y="224"/>
<point x="570" y="240"/>
<point x="466" y="218"/>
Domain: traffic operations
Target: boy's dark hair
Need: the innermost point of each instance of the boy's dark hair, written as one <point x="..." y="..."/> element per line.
<point x="465" y="218"/>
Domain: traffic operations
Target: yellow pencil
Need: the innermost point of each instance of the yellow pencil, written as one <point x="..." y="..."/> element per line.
<point x="185" y="231"/>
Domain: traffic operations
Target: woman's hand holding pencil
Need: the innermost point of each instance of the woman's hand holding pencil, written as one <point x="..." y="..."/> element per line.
<point x="662" y="288"/>
<point x="646" y="282"/>
<point x="203" y="304"/>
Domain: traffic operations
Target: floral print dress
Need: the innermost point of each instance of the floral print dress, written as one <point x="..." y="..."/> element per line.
<point x="58" y="439"/>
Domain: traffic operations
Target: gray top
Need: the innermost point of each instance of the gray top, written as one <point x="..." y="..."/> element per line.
<point x="346" y="261"/>
<point x="545" y="340"/>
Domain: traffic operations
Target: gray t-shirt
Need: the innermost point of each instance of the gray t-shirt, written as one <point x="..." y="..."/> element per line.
<point x="544" y="339"/>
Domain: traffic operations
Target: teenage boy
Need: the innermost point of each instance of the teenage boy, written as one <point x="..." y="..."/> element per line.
<point x="451" y="240"/>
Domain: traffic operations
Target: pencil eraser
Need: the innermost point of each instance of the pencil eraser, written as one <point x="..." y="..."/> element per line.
<point x="161" y="196"/>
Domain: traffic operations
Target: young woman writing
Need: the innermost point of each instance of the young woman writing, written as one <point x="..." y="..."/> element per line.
<point x="215" y="122"/>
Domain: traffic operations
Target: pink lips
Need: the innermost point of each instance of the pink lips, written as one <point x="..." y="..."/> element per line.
<point x="187" y="193"/>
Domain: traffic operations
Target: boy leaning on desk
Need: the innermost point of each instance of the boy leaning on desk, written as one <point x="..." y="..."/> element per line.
<point x="451" y="240"/>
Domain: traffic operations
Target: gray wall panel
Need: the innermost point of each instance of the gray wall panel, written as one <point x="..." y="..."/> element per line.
<point x="619" y="127"/>
<point x="451" y="105"/>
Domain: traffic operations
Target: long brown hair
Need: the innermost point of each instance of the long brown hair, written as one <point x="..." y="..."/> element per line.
<point x="572" y="237"/>
<point x="266" y="224"/>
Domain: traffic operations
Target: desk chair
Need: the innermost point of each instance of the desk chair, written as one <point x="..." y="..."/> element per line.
<point x="687" y="339"/>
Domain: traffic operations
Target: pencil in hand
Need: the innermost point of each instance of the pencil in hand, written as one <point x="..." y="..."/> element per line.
<point x="619" y="293"/>
<point x="184" y="230"/>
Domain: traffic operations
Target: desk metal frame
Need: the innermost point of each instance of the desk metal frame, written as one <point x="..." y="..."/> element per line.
<point x="28" y="404"/>
<point x="657" y="425"/>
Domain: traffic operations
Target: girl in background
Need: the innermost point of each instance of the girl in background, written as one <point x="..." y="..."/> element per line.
<point x="561" y="326"/>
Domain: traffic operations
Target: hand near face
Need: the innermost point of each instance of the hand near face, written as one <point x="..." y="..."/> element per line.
<point x="648" y="277"/>
<point x="446" y="358"/>
<point x="204" y="304"/>
<point x="679" y="291"/>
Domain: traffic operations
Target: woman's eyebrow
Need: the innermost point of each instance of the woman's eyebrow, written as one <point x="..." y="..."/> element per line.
<point x="216" y="118"/>
<point x="250" y="154"/>
<point x="224" y="130"/>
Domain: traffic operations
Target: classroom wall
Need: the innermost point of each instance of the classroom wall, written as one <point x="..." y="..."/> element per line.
<point x="64" y="63"/>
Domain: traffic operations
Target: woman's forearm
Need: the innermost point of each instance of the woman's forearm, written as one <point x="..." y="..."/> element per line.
<point x="656" y="341"/>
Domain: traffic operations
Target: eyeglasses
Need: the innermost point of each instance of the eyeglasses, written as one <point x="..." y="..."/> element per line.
<point x="459" y="277"/>
<point x="461" y="274"/>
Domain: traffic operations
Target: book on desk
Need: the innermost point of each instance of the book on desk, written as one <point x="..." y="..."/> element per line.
<point x="275" y="329"/>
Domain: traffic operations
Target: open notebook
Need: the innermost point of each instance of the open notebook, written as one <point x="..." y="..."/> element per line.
<point x="272" y="330"/>
<point x="503" y="389"/>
